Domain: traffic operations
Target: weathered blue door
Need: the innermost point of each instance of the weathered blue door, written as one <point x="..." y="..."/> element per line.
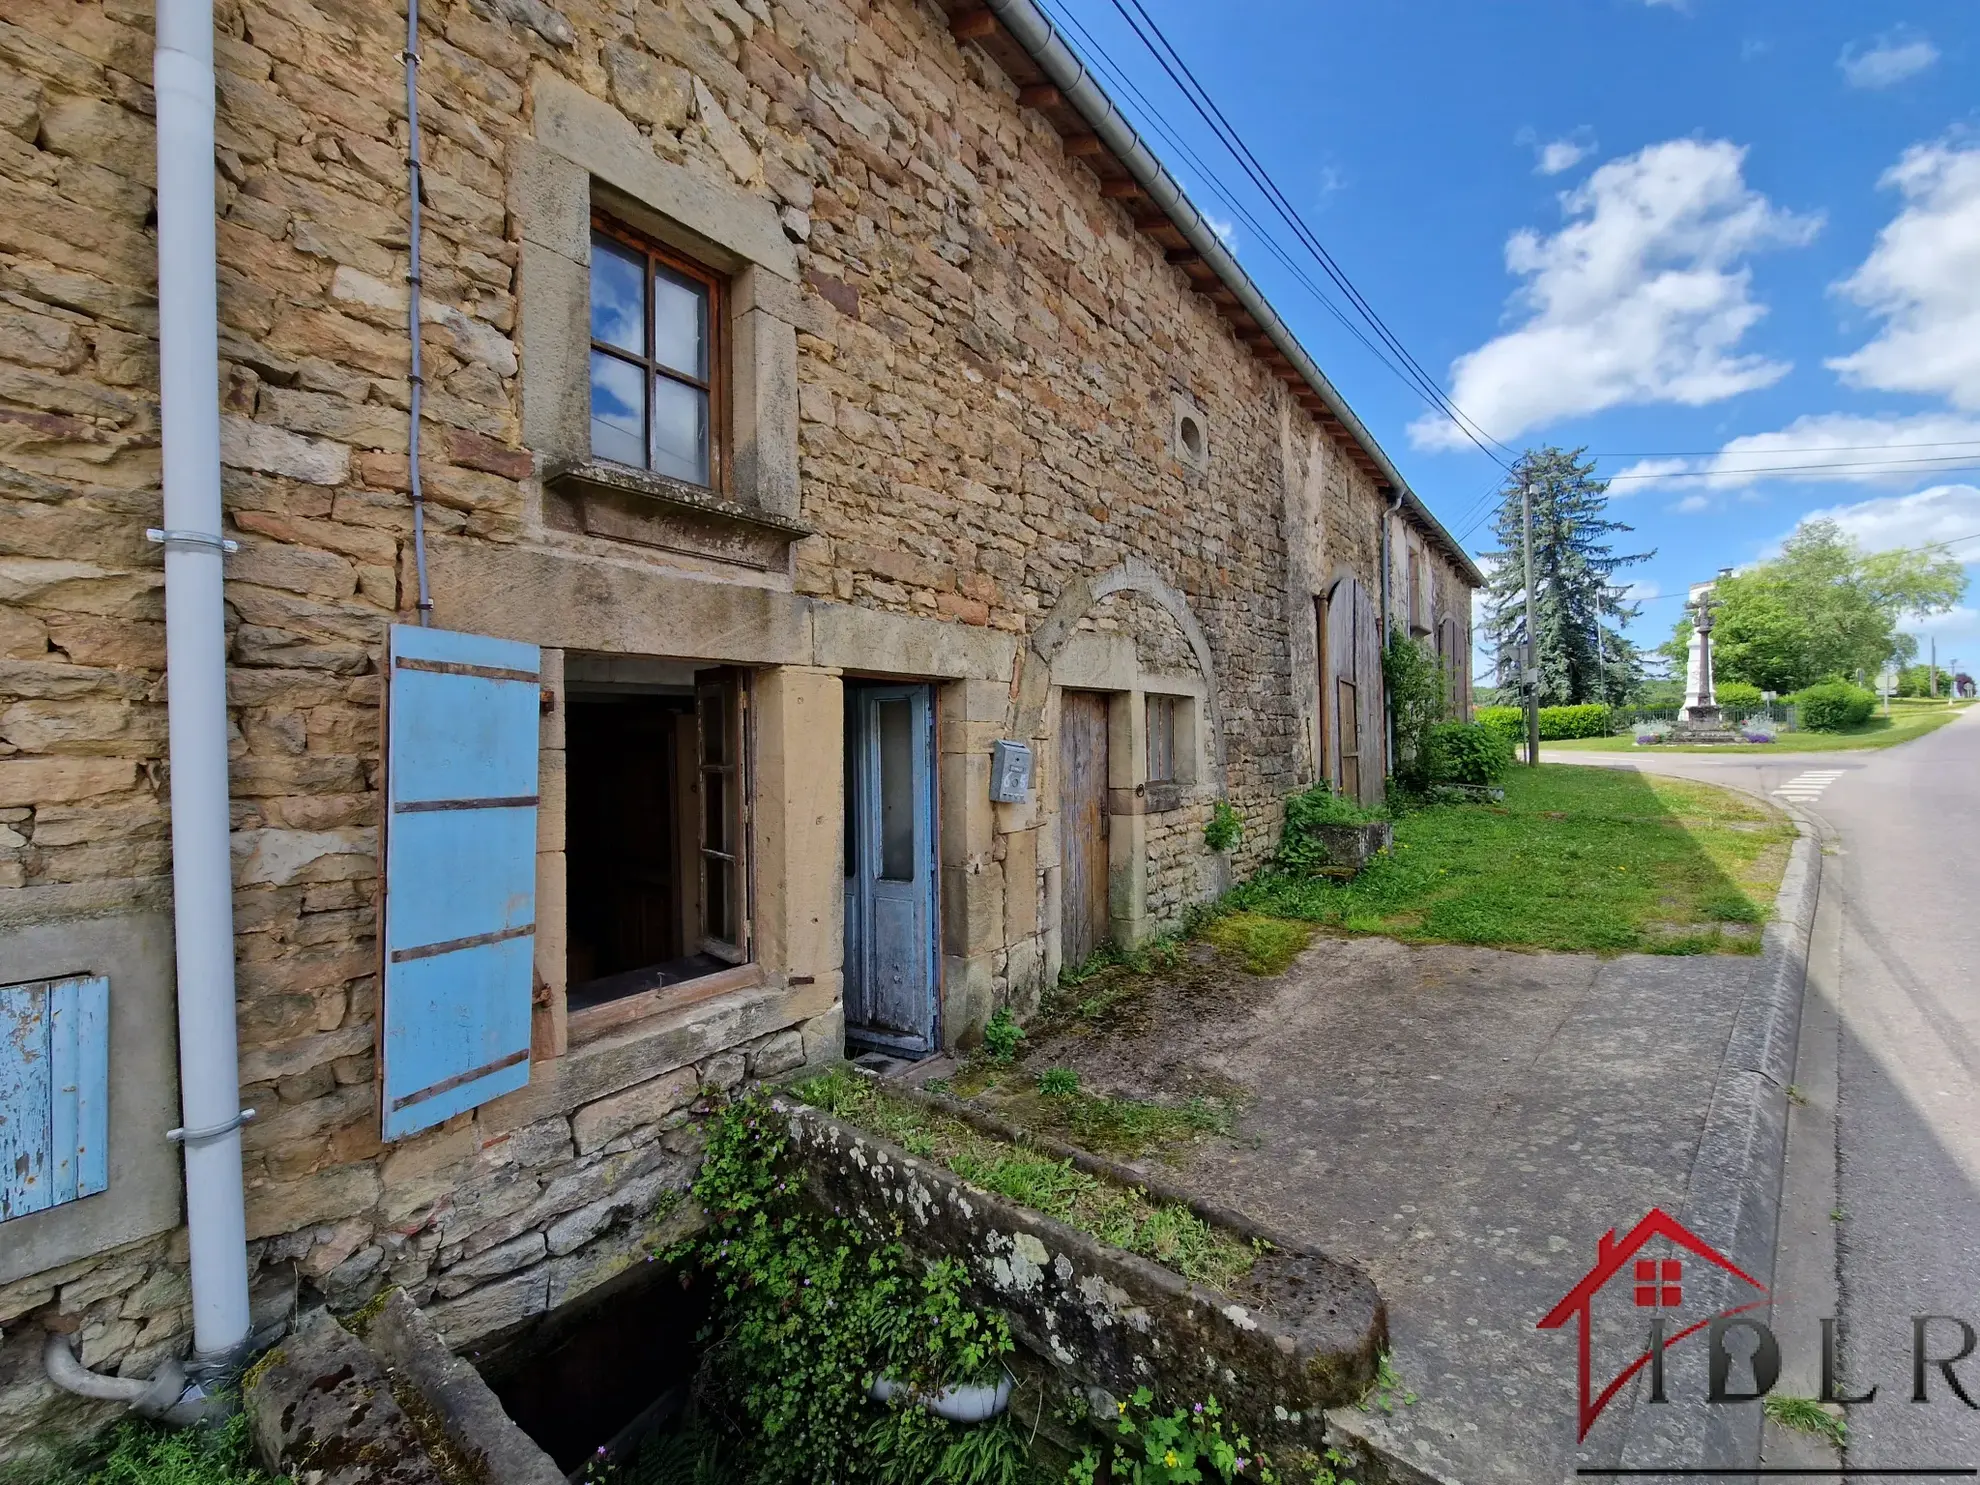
<point x="890" y="862"/>
<point x="460" y="872"/>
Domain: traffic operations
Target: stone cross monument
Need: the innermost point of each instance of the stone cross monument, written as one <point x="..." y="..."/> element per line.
<point x="1701" y="703"/>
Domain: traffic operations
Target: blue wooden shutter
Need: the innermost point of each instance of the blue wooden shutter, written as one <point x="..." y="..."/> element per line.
<point x="460" y="873"/>
<point x="54" y="1093"/>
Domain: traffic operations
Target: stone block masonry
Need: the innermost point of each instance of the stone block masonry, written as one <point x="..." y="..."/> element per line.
<point x="987" y="358"/>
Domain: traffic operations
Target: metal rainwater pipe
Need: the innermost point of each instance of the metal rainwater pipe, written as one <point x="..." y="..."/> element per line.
<point x="196" y="682"/>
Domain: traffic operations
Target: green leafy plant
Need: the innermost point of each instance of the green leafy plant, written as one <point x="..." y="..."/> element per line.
<point x="1806" y="1415"/>
<point x="1001" y="1035"/>
<point x="1468" y="753"/>
<point x="1737" y="694"/>
<point x="1387" y="1389"/>
<point x="1190" y="1444"/>
<point x="1226" y="827"/>
<point x="1414" y="684"/>
<point x="809" y="1310"/>
<point x="134" y="1452"/>
<point x="1302" y="849"/>
<point x="1058" y="1082"/>
<point x="1833" y="706"/>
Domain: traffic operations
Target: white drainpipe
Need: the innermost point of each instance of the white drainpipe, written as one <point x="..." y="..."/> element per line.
<point x="196" y="679"/>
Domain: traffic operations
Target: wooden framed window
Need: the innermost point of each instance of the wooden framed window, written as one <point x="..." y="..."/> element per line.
<point x="657" y="359"/>
<point x="1163" y="718"/>
<point x="721" y="700"/>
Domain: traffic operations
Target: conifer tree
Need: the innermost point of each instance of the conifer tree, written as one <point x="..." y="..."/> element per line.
<point x="1575" y="596"/>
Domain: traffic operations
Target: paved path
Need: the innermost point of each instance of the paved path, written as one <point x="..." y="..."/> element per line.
<point x="1888" y="1136"/>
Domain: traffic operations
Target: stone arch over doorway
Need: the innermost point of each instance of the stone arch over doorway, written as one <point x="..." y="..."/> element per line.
<point x="1033" y="691"/>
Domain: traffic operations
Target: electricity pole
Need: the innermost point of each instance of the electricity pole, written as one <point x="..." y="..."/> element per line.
<point x="1935" y="665"/>
<point x="1530" y="674"/>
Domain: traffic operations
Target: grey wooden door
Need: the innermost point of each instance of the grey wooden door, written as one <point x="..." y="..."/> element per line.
<point x="1354" y="727"/>
<point x="890" y="867"/>
<point x="1084" y="921"/>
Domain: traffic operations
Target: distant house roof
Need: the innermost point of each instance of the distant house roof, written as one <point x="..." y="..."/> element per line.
<point x="1052" y="79"/>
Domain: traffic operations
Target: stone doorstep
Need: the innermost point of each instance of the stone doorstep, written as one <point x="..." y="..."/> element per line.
<point x="390" y="1407"/>
<point x="1305" y="1333"/>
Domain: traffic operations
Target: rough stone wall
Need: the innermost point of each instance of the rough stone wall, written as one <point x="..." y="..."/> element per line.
<point x="988" y="416"/>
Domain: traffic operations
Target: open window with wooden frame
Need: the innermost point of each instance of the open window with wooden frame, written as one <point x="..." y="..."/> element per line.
<point x="657" y="819"/>
<point x="721" y="706"/>
<point x="659" y="359"/>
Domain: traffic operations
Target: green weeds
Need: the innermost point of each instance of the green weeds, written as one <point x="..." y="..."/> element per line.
<point x="139" y="1453"/>
<point x="1126" y="1218"/>
<point x="1806" y="1415"/>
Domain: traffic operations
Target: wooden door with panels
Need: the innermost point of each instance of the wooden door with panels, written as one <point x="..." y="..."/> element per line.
<point x="1085" y="920"/>
<point x="891" y="913"/>
<point x="1351" y="706"/>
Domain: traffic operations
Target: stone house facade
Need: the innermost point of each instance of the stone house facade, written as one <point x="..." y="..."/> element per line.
<point x="941" y="435"/>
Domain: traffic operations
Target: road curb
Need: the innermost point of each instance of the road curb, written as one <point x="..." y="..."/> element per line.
<point x="1733" y="1194"/>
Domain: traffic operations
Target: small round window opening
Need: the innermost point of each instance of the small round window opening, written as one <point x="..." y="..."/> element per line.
<point x="1192" y="437"/>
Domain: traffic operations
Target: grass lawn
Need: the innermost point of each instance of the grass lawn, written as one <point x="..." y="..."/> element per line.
<point x="1901" y="726"/>
<point x="1581" y="859"/>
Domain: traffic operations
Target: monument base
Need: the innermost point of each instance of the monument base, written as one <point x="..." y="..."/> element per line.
<point x="1694" y="732"/>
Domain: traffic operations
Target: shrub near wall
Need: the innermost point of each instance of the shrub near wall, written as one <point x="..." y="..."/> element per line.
<point x="1557" y="723"/>
<point x="1469" y="753"/>
<point x="1832" y="706"/>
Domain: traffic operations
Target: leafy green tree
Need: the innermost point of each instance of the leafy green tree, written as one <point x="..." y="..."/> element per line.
<point x="1575" y="597"/>
<point x="1821" y="609"/>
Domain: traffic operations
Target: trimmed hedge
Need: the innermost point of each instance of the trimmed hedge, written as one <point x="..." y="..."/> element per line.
<point x="1832" y="706"/>
<point x="1557" y="723"/>
<point x="1468" y="753"/>
<point x="1736" y="693"/>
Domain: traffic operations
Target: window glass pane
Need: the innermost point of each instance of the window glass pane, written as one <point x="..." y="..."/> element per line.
<point x="715" y="810"/>
<point x="680" y="431"/>
<point x="680" y="323"/>
<point x="618" y="294"/>
<point x="616" y="415"/>
<point x="896" y="727"/>
<point x="714" y="726"/>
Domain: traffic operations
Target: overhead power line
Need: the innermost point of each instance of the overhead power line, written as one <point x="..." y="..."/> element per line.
<point x="1206" y="108"/>
<point x="1871" y="465"/>
<point x="1385" y="346"/>
<point x="1830" y="448"/>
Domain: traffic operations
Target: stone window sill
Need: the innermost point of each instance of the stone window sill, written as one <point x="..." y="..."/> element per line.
<point x="621" y="503"/>
<point x="600" y="1020"/>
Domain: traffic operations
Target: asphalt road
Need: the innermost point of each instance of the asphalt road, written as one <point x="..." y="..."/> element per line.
<point x="1886" y="1127"/>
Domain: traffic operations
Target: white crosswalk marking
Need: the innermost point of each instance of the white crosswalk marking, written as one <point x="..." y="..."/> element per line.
<point x="1807" y="787"/>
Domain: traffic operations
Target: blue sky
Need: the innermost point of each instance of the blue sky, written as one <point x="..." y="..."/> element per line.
<point x="1738" y="233"/>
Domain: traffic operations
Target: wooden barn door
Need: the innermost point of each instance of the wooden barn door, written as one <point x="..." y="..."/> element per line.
<point x="1351" y="694"/>
<point x="1083" y="912"/>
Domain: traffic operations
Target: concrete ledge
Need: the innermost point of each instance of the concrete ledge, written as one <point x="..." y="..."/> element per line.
<point x="1303" y="1333"/>
<point x="389" y="1408"/>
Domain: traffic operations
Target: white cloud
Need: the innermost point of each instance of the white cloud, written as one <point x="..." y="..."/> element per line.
<point x="1923" y="280"/>
<point x="1941" y="513"/>
<point x="1952" y="618"/>
<point x="1856" y="450"/>
<point x="1226" y="232"/>
<point x="1643" y="297"/>
<point x="1890" y="59"/>
<point x="1553" y="156"/>
<point x="1640" y="591"/>
<point x="1692" y="504"/>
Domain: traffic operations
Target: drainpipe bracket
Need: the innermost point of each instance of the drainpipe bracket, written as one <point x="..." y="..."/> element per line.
<point x="199" y="539"/>
<point x="183" y="1136"/>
